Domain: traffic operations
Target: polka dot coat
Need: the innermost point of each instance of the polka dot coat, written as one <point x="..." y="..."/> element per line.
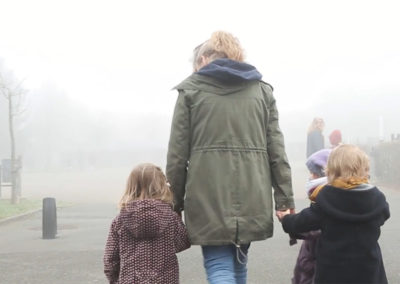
<point x="142" y="244"/>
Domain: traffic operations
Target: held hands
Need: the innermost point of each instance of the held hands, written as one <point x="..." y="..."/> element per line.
<point x="280" y="214"/>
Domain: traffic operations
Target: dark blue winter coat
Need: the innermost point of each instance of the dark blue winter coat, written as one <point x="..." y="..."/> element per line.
<point x="350" y="221"/>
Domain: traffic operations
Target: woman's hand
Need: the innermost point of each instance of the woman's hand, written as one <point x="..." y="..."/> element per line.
<point x="280" y="214"/>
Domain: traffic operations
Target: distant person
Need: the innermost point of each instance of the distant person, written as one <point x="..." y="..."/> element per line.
<point x="225" y="154"/>
<point x="304" y="270"/>
<point x="315" y="139"/>
<point x="145" y="237"/>
<point x="349" y="212"/>
<point x="335" y="138"/>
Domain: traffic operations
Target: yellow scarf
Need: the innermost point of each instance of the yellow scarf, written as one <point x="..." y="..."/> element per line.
<point x="350" y="183"/>
<point x="314" y="194"/>
<point x="340" y="183"/>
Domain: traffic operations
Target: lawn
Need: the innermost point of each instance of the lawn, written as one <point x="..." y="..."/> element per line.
<point x="7" y="209"/>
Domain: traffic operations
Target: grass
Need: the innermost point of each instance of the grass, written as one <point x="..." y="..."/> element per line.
<point x="25" y="205"/>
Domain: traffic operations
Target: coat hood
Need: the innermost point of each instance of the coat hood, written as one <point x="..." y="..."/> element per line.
<point x="144" y="218"/>
<point x="228" y="70"/>
<point x="316" y="163"/>
<point x="314" y="183"/>
<point x="362" y="203"/>
<point x="222" y="77"/>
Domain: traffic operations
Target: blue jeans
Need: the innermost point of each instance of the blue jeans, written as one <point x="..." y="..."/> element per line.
<point x="222" y="264"/>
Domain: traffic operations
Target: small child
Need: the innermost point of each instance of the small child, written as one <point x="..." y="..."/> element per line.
<point x="316" y="164"/>
<point x="145" y="237"/>
<point x="305" y="265"/>
<point x="349" y="212"/>
<point x="335" y="138"/>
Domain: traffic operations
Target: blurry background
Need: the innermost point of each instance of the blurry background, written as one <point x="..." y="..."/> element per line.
<point x="98" y="76"/>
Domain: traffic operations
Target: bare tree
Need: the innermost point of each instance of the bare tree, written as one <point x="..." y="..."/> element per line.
<point x="15" y="95"/>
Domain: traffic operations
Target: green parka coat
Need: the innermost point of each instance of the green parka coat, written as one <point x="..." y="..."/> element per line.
<point x="225" y="154"/>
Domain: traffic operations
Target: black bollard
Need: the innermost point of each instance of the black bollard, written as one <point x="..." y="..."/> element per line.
<point x="49" y="220"/>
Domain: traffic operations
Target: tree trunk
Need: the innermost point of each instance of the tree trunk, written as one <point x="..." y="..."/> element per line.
<point x="14" y="195"/>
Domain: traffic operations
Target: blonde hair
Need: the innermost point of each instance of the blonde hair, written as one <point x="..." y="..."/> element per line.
<point x="317" y="124"/>
<point x="347" y="162"/>
<point x="220" y="45"/>
<point x="146" y="181"/>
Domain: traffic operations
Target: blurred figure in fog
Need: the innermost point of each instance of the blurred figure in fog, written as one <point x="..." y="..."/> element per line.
<point x="315" y="139"/>
<point x="335" y="138"/>
<point x="225" y="153"/>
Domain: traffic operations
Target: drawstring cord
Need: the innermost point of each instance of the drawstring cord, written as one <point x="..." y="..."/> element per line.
<point x="240" y="253"/>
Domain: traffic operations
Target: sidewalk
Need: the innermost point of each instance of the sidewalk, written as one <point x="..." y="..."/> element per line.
<point x="75" y="256"/>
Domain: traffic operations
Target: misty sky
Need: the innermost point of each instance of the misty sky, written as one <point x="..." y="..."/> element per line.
<point x="124" y="57"/>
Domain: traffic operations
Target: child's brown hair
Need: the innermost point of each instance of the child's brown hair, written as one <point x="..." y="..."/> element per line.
<point x="347" y="162"/>
<point x="146" y="181"/>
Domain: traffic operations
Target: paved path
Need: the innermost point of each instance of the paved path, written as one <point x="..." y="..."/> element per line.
<point x="75" y="256"/>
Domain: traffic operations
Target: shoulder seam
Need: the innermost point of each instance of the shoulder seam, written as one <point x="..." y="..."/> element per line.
<point x="268" y="84"/>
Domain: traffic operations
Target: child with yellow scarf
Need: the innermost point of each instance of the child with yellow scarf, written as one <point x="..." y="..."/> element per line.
<point x="349" y="212"/>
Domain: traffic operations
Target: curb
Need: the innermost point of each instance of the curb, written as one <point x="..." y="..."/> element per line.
<point x="19" y="217"/>
<point x="26" y="215"/>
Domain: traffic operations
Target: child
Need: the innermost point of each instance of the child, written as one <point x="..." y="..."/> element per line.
<point x="349" y="212"/>
<point x="335" y="138"/>
<point x="145" y="237"/>
<point x="305" y="265"/>
<point x="316" y="164"/>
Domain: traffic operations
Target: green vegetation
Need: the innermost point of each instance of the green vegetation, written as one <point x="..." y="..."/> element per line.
<point x="7" y="209"/>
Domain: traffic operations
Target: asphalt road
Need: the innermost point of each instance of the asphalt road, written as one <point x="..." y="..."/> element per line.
<point x="75" y="256"/>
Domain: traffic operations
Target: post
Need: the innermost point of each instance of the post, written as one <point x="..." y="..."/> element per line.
<point x="381" y="129"/>
<point x="0" y="179"/>
<point x="14" y="195"/>
<point x="49" y="218"/>
<point x="18" y="176"/>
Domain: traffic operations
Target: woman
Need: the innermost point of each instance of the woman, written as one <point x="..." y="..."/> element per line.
<point x="225" y="153"/>
<point x="315" y="139"/>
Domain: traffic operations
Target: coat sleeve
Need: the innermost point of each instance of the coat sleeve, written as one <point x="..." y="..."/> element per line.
<point x="308" y="219"/>
<point x="280" y="168"/>
<point x="178" y="151"/>
<point x="385" y="213"/>
<point x="111" y="255"/>
<point x="181" y="238"/>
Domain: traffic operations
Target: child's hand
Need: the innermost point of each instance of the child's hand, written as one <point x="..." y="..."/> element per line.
<point x="280" y="214"/>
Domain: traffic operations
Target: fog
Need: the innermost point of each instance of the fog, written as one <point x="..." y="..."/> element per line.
<point x="99" y="75"/>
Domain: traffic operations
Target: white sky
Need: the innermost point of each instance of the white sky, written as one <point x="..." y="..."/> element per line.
<point x="125" y="56"/>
